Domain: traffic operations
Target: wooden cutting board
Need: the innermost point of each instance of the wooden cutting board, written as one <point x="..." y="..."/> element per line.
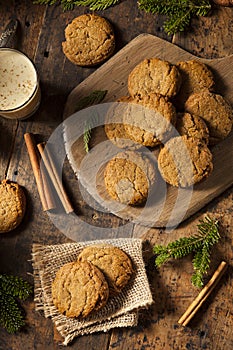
<point x="169" y="206"/>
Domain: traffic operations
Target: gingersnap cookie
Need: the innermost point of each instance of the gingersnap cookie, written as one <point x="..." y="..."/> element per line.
<point x="154" y="76"/>
<point x="184" y="161"/>
<point x="113" y="262"/>
<point x="89" y="41"/>
<point x="79" y="288"/>
<point x="196" y="76"/>
<point x="149" y="120"/>
<point x="216" y="112"/>
<point x="129" y="176"/>
<point x="12" y="205"/>
<point x="114" y="127"/>
<point x="192" y="126"/>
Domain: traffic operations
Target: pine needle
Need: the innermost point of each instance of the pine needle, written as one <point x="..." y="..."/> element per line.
<point x="95" y="97"/>
<point x="200" y="244"/>
<point x="11" y="289"/>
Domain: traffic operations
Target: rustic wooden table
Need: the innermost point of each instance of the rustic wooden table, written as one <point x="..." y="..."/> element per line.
<point x="41" y="34"/>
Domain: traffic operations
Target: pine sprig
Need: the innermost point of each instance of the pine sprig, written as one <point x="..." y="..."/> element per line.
<point x="200" y="244"/>
<point x="94" y="5"/>
<point x="11" y="289"/>
<point x="179" y="12"/>
<point x="93" y="98"/>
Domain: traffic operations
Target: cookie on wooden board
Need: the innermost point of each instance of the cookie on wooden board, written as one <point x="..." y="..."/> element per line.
<point x="149" y="120"/>
<point x="89" y="41"/>
<point x="114" y="126"/>
<point x="192" y="126"/>
<point x="196" y="76"/>
<point x="216" y="112"/>
<point x="184" y="161"/>
<point x="79" y="288"/>
<point x="154" y="76"/>
<point x="12" y="205"/>
<point x="112" y="261"/>
<point x="129" y="176"/>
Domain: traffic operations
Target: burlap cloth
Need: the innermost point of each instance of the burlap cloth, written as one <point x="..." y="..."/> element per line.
<point x="120" y="310"/>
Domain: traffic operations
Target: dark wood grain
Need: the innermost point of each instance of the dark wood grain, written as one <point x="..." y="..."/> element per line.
<point x="40" y="37"/>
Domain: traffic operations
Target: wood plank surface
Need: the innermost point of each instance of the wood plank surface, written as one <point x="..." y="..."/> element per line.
<point x="175" y="205"/>
<point x="42" y="31"/>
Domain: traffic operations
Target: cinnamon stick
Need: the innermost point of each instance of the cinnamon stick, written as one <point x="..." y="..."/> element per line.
<point x="43" y="187"/>
<point x="55" y="178"/>
<point x="203" y="295"/>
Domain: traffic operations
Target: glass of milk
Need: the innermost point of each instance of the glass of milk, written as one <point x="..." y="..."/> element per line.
<point x="19" y="85"/>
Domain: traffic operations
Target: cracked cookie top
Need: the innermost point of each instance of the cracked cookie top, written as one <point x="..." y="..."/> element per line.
<point x="113" y="262"/>
<point x="79" y="288"/>
<point x="129" y="176"/>
<point x="12" y="205"/>
<point x="184" y="161"/>
<point x="216" y="112"/>
<point x="149" y="120"/>
<point x="89" y="41"/>
<point x="154" y="76"/>
<point x="196" y="76"/>
<point x="192" y="126"/>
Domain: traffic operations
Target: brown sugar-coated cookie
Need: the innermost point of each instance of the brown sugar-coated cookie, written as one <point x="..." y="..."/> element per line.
<point x="112" y="261"/>
<point x="154" y="76"/>
<point x="79" y="288"/>
<point x="196" y="76"/>
<point x="89" y="40"/>
<point x="216" y="112"/>
<point x="149" y="120"/>
<point x="184" y="161"/>
<point x="129" y="176"/>
<point x="12" y="205"/>
<point x="192" y="126"/>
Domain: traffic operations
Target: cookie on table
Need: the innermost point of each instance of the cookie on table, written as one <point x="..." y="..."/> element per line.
<point x="129" y="176"/>
<point x="89" y="41"/>
<point x="192" y="126"/>
<point x="113" y="262"/>
<point x="184" y="161"/>
<point x="196" y="76"/>
<point x="154" y="76"/>
<point x="149" y="120"/>
<point x="12" y="205"/>
<point x="114" y="127"/>
<point x="79" y="288"/>
<point x="216" y="112"/>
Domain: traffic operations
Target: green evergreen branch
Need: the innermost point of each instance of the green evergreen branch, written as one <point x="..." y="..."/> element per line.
<point x="179" y="12"/>
<point x="12" y="287"/>
<point x="93" y="98"/>
<point x="200" y="244"/>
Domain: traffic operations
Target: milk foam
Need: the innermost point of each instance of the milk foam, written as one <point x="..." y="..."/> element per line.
<point x="18" y="79"/>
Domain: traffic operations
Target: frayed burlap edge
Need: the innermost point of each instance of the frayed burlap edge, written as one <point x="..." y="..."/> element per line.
<point x="120" y="311"/>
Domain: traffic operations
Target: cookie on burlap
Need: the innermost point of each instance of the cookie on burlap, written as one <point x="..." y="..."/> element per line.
<point x="89" y="41"/>
<point x="114" y="127"/>
<point x="112" y="261"/>
<point x="12" y="205"/>
<point x="216" y="112"/>
<point x="129" y="176"/>
<point x="184" y="161"/>
<point x="192" y="126"/>
<point x="196" y="76"/>
<point x="79" y="288"/>
<point x="154" y="76"/>
<point x="149" y="120"/>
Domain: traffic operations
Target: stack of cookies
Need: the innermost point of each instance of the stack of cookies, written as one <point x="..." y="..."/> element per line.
<point x="172" y="108"/>
<point x="84" y="286"/>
